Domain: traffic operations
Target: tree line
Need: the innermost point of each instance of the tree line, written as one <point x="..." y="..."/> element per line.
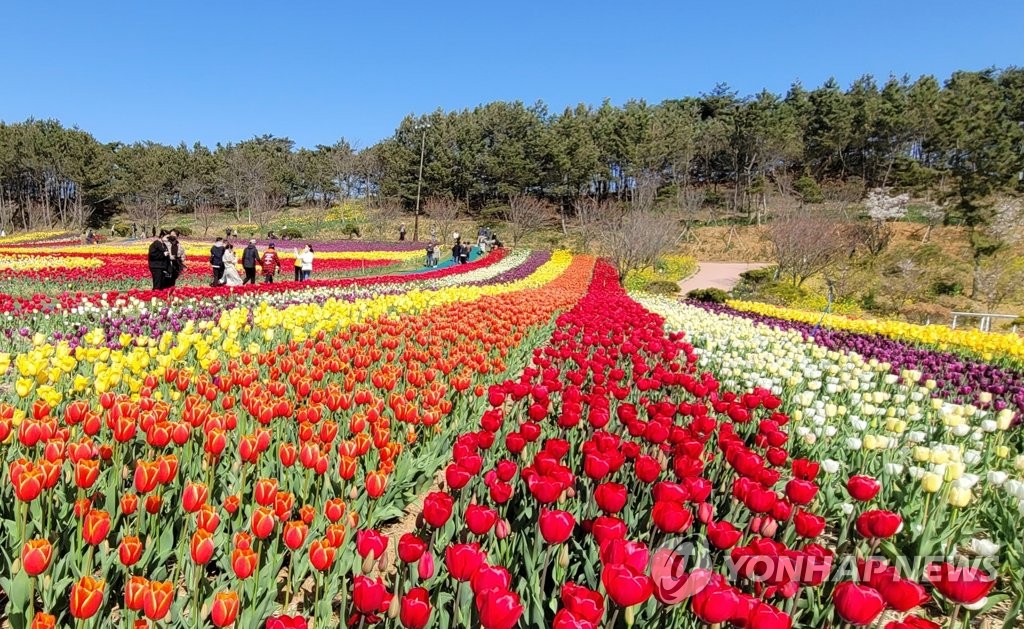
<point x="961" y="140"/>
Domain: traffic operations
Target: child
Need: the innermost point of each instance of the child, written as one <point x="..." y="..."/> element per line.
<point x="271" y="264"/>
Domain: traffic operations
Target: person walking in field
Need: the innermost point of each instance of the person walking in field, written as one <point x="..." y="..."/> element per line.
<point x="250" y="257"/>
<point x="177" y="251"/>
<point x="430" y="254"/>
<point x="271" y="264"/>
<point x="217" y="260"/>
<point x="401" y="232"/>
<point x="437" y="253"/>
<point x="231" y="276"/>
<point x="464" y="254"/>
<point x="159" y="261"/>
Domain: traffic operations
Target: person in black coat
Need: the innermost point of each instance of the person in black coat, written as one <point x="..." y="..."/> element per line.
<point x="160" y="262"/>
<point x="250" y="256"/>
<point x="217" y="260"/>
<point x="177" y="258"/>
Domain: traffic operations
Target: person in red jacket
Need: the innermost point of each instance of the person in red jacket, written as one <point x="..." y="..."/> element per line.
<point x="271" y="264"/>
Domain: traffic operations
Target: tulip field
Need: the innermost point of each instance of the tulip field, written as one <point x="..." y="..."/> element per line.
<point x="514" y="442"/>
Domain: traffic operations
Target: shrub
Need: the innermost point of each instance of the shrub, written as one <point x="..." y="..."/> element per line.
<point x="708" y="295"/>
<point x="184" y="232"/>
<point x="760" y="276"/>
<point x="290" y="233"/>
<point x="350" y="229"/>
<point x="952" y="288"/>
<point x="808" y="189"/>
<point x="662" y="287"/>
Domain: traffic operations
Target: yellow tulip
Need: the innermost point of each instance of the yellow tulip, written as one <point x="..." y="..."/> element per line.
<point x="931" y="482"/>
<point x="959" y="497"/>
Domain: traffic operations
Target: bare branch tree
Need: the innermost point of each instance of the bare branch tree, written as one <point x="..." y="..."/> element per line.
<point x="591" y="213"/>
<point x="1000" y="279"/>
<point x="148" y="211"/>
<point x="443" y="212"/>
<point x="205" y="214"/>
<point x="691" y="203"/>
<point x="933" y="214"/>
<point x="807" y="243"/>
<point x="645" y="190"/>
<point x="265" y="206"/>
<point x="635" y="240"/>
<point x="382" y="217"/>
<point x="525" y="214"/>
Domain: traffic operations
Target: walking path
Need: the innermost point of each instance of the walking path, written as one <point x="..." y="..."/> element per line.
<point x="474" y="255"/>
<point x="723" y="275"/>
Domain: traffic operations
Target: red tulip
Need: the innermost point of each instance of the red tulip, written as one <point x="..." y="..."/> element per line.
<point x="807" y="524"/>
<point x="583" y="603"/>
<point x="863" y="488"/>
<point x="962" y="585"/>
<point x="129" y="504"/>
<point x="410" y="548"/>
<point x="556" y="526"/>
<point x="610" y="497"/>
<point x="498" y="609"/>
<point x="86" y="597"/>
<point x="370" y="543"/>
<point x="723" y="535"/>
<point x="265" y="492"/>
<point x="35" y="556"/>
<point x="437" y="508"/>
<point x="801" y="492"/>
<point x="626" y="586"/>
<point x="462" y="560"/>
<point x="857" y="604"/>
<point x="225" y="608"/>
<point x="425" y="568"/>
<point x="902" y="595"/>
<point x="764" y="616"/>
<point x="369" y="595"/>
<point x="480" y="519"/>
<point x="490" y="578"/>
<point x="287" y="622"/>
<point x="129" y="551"/>
<point x="414" y="612"/>
<point x="879" y="524"/>
<point x="671" y="517"/>
<point x="912" y="622"/>
<point x="715" y="603"/>
<point x="28" y="483"/>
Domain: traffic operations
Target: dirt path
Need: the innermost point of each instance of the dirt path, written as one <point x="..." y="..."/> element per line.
<point x="722" y="275"/>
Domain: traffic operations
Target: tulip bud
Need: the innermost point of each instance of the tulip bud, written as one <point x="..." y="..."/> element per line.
<point x="563" y="556"/>
<point x="630" y="615"/>
<point x="368" y="564"/>
<point x="353" y="493"/>
<point x="394" y="607"/>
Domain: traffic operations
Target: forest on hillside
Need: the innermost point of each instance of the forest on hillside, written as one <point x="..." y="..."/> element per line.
<point x="958" y="142"/>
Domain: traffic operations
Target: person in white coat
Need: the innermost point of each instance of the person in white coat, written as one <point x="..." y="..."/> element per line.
<point x="231" y="276"/>
<point x="307" y="262"/>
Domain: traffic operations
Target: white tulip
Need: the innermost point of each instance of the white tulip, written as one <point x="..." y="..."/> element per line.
<point x="997" y="477"/>
<point x="894" y="469"/>
<point x="846" y="508"/>
<point x="854" y="443"/>
<point x="830" y="466"/>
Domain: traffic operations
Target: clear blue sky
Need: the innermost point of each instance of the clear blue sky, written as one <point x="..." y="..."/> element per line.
<point x="219" y="70"/>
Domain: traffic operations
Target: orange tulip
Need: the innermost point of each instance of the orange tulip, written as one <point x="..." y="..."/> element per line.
<point x="225" y="609"/>
<point x="129" y="551"/>
<point x="36" y="555"/>
<point x="86" y="597"/>
<point x="95" y="526"/>
<point x="157" y="599"/>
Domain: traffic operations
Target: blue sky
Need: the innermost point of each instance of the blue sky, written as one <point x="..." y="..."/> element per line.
<point x="222" y="70"/>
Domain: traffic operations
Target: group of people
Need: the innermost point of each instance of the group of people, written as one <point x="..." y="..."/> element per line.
<point x="166" y="259"/>
<point x="485" y="240"/>
<point x="167" y="262"/>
